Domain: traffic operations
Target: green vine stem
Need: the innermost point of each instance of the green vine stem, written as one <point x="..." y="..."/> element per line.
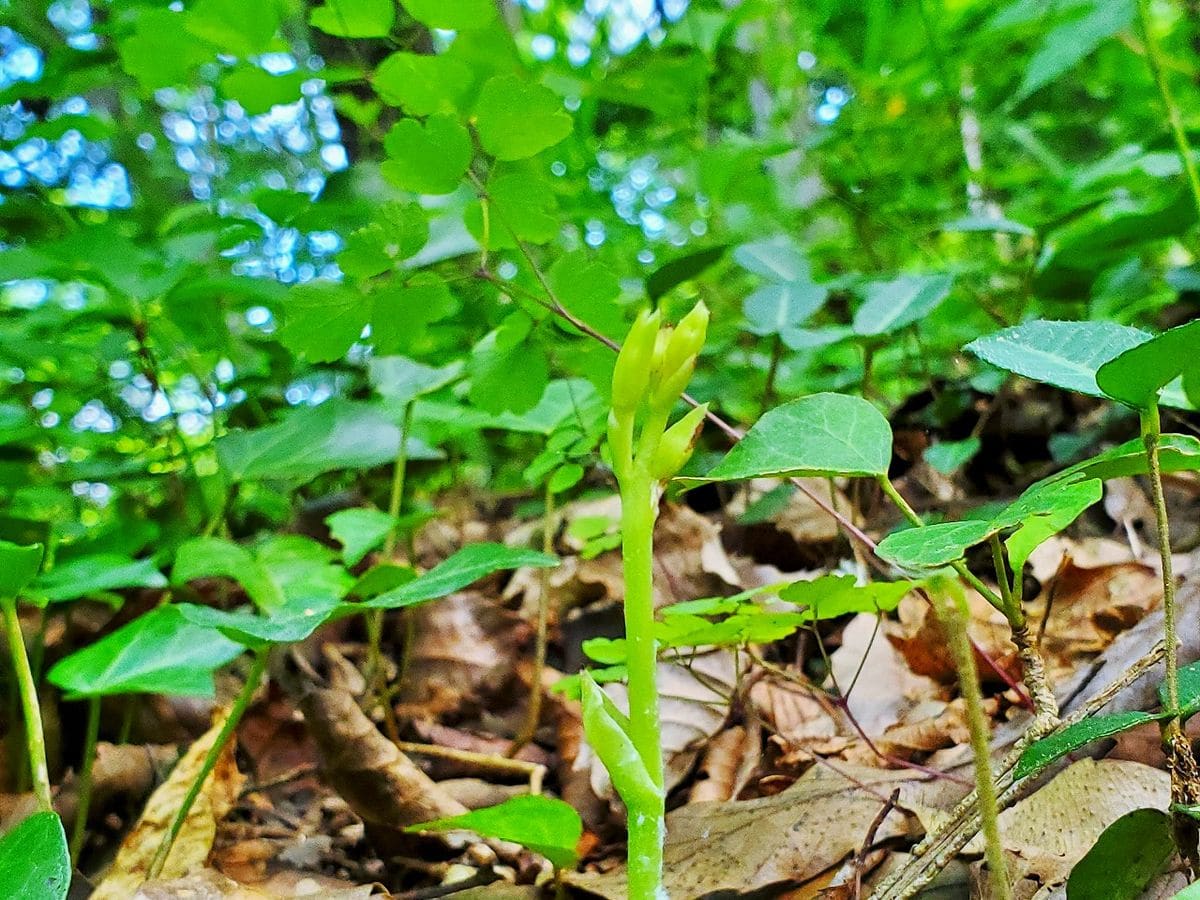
<point x="34" y="738"/>
<point x="240" y="704"/>
<point x="86" y="767"/>
<point x="1174" y="117"/>
<point x="953" y="612"/>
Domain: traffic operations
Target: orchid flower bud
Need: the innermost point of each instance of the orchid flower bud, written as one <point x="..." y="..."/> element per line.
<point x="678" y="441"/>
<point x="631" y="375"/>
<point x="679" y="357"/>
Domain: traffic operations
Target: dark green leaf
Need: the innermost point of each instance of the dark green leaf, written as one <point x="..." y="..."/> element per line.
<point x="88" y="575"/>
<point x="359" y="531"/>
<point x="1123" y="862"/>
<point x="684" y="268"/>
<point x="1189" y="692"/>
<point x="160" y="652"/>
<point x="294" y="621"/>
<point x="1041" y="753"/>
<point x="18" y="565"/>
<point x="210" y="557"/>
<point x="931" y="546"/>
<point x="34" y="862"/>
<point x="1138" y="375"/>
<point x="542" y="824"/>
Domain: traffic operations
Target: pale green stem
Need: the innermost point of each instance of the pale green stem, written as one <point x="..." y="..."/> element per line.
<point x="954" y="615"/>
<point x="1174" y="117"/>
<point x="1006" y="592"/>
<point x="646" y="827"/>
<point x="210" y="761"/>
<point x="84" y="803"/>
<point x="34" y="739"/>
<point x="1151" y="432"/>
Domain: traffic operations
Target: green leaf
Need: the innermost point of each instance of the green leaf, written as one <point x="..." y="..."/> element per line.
<point x="427" y="159"/>
<point x="508" y="372"/>
<point x="354" y="18"/>
<point x="543" y="824"/>
<point x="401" y="380"/>
<point x="294" y="621"/>
<point x="338" y="434"/>
<point x="831" y="596"/>
<point x="160" y="652"/>
<point x="456" y="572"/>
<point x="933" y="546"/>
<point x="34" y="862"/>
<point x="590" y="290"/>
<point x="422" y="84"/>
<point x="96" y="574"/>
<point x="892" y="305"/>
<point x="819" y="435"/>
<point x="258" y="91"/>
<point x="1042" y="753"/>
<point x="240" y="28"/>
<point x="1138" y="375"/>
<point x="517" y="120"/>
<point x="521" y="205"/>
<point x="160" y="52"/>
<point x="359" y="531"/>
<point x="776" y="308"/>
<point x="1189" y="692"/>
<point x="684" y="268"/>
<point x="321" y="320"/>
<point x="778" y="259"/>
<point x="18" y="566"/>
<point x="605" y="728"/>
<point x="1064" y="354"/>
<point x="1066" y="44"/>
<point x="1123" y="862"/>
<point x="461" y="15"/>
<point x="950" y="456"/>
<point x="1177" y="453"/>
<point x="211" y="557"/>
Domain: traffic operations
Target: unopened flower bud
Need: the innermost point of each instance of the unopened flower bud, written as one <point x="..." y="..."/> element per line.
<point x="686" y="340"/>
<point x="631" y="375"/>
<point x="678" y="441"/>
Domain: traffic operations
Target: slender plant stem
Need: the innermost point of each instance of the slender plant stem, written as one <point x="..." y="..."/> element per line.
<point x="1174" y="117"/>
<point x="534" y="716"/>
<point x="35" y="740"/>
<point x="240" y="704"/>
<point x="646" y="827"/>
<point x="395" y="504"/>
<point x="1006" y="592"/>
<point x="952" y="608"/>
<point x="87" y="764"/>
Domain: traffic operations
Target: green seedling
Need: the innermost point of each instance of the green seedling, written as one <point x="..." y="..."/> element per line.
<point x="161" y="652"/>
<point x="651" y="373"/>
<point x="543" y="824"/>
<point x="297" y="617"/>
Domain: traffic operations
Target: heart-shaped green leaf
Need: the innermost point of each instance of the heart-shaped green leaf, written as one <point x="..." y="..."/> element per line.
<point x="209" y="557"/>
<point x="543" y="824"/>
<point x="932" y="546"/>
<point x="359" y="531"/>
<point x="1041" y="753"/>
<point x="34" y="862"/>
<point x="161" y="652"/>
<point x="429" y="158"/>
<point x="1064" y="354"/>
<point x="1138" y="375"/>
<point x="823" y="435"/>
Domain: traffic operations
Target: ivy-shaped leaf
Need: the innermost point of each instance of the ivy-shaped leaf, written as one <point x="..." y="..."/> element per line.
<point x="429" y="158"/>
<point x="516" y="119"/>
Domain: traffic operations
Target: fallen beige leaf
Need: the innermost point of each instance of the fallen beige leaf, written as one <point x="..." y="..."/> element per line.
<point x="194" y="843"/>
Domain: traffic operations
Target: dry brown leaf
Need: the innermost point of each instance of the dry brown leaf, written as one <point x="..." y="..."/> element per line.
<point x="919" y="638"/>
<point x="728" y="762"/>
<point x="194" y="843"/>
<point x="1090" y="607"/>
<point x="800" y="718"/>
<point x="880" y="685"/>
<point x="211" y="885"/>
<point x="1049" y="831"/>
<point x="789" y="838"/>
<point x="801" y="518"/>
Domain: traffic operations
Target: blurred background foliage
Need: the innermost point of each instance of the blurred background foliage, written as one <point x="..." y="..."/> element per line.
<point x="247" y="246"/>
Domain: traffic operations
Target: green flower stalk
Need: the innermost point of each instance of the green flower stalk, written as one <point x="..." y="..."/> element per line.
<point x="652" y="371"/>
